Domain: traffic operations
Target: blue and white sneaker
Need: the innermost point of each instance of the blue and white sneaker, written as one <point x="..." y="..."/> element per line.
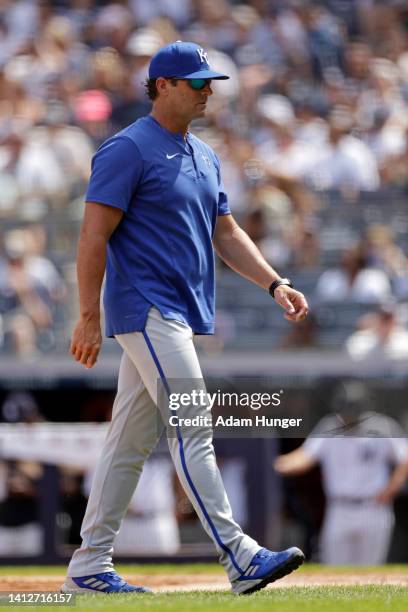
<point x="107" y="582"/>
<point x="267" y="566"/>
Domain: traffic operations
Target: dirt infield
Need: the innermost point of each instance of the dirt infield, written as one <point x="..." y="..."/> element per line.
<point x="211" y="582"/>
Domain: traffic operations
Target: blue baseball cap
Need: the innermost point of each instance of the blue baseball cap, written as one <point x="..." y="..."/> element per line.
<point x="182" y="60"/>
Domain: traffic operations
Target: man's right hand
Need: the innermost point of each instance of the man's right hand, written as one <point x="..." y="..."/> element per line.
<point x="86" y="341"/>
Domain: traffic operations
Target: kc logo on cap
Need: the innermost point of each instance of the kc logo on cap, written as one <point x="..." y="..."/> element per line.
<point x="203" y="55"/>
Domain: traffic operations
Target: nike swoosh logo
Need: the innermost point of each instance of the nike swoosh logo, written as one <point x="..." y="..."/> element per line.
<point x="171" y="156"/>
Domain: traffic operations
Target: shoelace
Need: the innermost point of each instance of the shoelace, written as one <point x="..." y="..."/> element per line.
<point x="264" y="555"/>
<point x="115" y="577"/>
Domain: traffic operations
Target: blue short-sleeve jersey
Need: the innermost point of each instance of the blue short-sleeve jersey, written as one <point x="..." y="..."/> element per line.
<point x="170" y="190"/>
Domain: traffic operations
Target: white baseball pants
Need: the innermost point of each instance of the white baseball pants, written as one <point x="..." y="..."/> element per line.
<point x="356" y="534"/>
<point x="163" y="351"/>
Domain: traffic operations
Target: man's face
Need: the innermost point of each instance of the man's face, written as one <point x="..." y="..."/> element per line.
<point x="183" y="101"/>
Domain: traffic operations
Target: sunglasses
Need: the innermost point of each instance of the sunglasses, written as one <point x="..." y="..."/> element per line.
<point x="196" y="84"/>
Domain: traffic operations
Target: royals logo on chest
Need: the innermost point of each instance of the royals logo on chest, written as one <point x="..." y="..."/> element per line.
<point x="206" y="160"/>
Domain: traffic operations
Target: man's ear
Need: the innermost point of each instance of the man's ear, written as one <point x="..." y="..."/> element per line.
<point x="163" y="86"/>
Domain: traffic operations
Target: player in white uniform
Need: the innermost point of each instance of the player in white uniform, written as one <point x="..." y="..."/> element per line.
<point x="355" y="448"/>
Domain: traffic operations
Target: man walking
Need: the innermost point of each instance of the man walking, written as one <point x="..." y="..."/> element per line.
<point x="155" y="210"/>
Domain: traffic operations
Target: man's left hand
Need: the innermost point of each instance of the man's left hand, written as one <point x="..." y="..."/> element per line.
<point x="293" y="302"/>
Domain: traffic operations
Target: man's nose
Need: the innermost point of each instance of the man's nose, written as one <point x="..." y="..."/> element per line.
<point x="208" y="89"/>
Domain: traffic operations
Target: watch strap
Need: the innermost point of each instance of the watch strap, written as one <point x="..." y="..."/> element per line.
<point x="277" y="283"/>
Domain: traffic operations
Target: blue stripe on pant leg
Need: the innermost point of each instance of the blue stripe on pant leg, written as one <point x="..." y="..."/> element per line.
<point x="183" y="463"/>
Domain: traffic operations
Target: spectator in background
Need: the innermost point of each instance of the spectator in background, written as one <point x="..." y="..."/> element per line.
<point x="130" y="101"/>
<point x="271" y="241"/>
<point x="284" y="154"/>
<point x="386" y="139"/>
<point x="304" y="242"/>
<point x="383" y="337"/>
<point x="287" y="158"/>
<point x="39" y="172"/>
<point x="112" y="26"/>
<point x="30" y="289"/>
<point x="70" y="144"/>
<point x="39" y="266"/>
<point x="59" y="52"/>
<point x="325" y="38"/>
<point x="282" y="235"/>
<point x="93" y="109"/>
<point x="344" y="162"/>
<point x="10" y="149"/>
<point x="356" y="73"/>
<point x="381" y="251"/>
<point x="53" y="164"/>
<point x="354" y="280"/>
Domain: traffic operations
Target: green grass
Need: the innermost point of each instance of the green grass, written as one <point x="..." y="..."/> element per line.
<point x="369" y="598"/>
<point x="196" y="568"/>
<point x="296" y="599"/>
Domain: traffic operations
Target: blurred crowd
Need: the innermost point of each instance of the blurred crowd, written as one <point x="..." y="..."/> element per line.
<point x="316" y="106"/>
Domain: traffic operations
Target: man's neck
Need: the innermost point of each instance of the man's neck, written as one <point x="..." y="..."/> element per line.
<point x="170" y="123"/>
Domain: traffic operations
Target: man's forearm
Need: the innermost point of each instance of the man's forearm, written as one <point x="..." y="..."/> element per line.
<point x="91" y="261"/>
<point x="100" y="221"/>
<point x="241" y="254"/>
<point x="294" y="463"/>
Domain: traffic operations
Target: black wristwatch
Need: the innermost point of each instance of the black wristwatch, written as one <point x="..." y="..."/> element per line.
<point x="277" y="283"/>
